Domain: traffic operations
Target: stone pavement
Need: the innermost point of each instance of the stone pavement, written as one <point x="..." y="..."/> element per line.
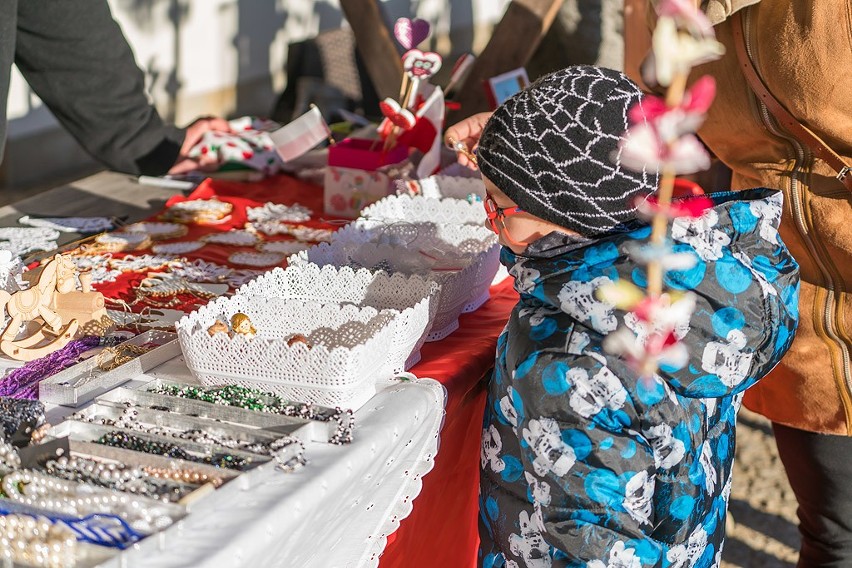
<point x="762" y="520"/>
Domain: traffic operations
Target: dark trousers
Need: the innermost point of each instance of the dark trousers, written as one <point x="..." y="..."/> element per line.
<point x="819" y="467"/>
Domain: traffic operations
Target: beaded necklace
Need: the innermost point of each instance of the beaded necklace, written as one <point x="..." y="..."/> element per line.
<point x="259" y="401"/>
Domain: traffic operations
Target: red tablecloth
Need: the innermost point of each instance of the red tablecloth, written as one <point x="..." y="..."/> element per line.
<point x="442" y="529"/>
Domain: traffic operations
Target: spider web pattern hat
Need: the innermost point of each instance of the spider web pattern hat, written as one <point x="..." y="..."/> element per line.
<point x="553" y="149"/>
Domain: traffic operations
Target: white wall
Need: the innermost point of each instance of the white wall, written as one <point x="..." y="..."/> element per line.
<point x="196" y="52"/>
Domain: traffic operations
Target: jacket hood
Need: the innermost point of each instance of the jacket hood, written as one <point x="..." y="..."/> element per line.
<point x="744" y="279"/>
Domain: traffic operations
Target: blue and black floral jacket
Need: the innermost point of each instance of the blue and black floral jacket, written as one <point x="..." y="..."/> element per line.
<point x="583" y="464"/>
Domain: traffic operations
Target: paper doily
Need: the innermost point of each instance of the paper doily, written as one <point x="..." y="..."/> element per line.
<point x="70" y="224"/>
<point x="158" y="231"/>
<point x="117" y="242"/>
<point x="278" y="212"/>
<point x="198" y="211"/>
<point x="234" y="237"/>
<point x="142" y="263"/>
<point x="180" y="247"/>
<point x="201" y="271"/>
<point x="256" y="258"/>
<point x="283" y="247"/>
<point x="300" y="232"/>
<point x="21" y="241"/>
<point x="98" y="265"/>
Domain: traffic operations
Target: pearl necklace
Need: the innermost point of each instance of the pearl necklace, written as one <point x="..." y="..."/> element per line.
<point x="39" y="490"/>
<point x="35" y="541"/>
<point x="119" y="477"/>
<point x="9" y="458"/>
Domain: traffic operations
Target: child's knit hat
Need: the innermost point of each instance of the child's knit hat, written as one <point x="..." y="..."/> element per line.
<point x="553" y="150"/>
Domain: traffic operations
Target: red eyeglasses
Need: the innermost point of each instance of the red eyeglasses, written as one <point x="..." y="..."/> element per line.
<point x="493" y="213"/>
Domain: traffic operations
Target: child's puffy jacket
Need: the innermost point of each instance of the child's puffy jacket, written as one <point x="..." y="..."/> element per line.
<point x="583" y="464"/>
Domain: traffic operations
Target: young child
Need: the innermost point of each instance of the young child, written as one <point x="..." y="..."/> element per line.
<point x="583" y="463"/>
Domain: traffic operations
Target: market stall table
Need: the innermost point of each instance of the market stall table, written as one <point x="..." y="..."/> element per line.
<point x="315" y="517"/>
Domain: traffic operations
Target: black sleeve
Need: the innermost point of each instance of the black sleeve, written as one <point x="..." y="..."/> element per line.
<point x="76" y="59"/>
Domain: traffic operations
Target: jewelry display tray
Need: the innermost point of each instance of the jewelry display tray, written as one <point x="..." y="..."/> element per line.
<point x="309" y="431"/>
<point x="86" y="432"/>
<point x="73" y="387"/>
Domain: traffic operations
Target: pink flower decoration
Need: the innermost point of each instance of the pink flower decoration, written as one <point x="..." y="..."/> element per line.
<point x="644" y="148"/>
<point x="692" y="207"/>
<point x="685" y="13"/>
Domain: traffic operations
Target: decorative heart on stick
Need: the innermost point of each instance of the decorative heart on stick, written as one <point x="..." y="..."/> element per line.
<point x="410" y="33"/>
<point x="398" y="116"/>
<point x="420" y="65"/>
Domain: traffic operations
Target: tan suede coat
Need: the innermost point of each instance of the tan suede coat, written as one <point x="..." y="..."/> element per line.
<point x="803" y="51"/>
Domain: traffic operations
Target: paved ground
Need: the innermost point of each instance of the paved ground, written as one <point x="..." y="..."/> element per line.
<point x="763" y="533"/>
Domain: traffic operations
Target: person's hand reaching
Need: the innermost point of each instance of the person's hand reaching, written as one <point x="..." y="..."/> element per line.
<point x="463" y="137"/>
<point x="194" y="133"/>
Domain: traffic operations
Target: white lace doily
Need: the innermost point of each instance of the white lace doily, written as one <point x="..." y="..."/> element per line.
<point x="256" y="258"/>
<point x="97" y="265"/>
<point x="21" y="241"/>
<point x="180" y="247"/>
<point x="158" y="231"/>
<point x="143" y="262"/>
<point x="336" y="367"/>
<point x="117" y="242"/>
<point x="295" y="213"/>
<point x="11" y="269"/>
<point x="70" y="224"/>
<point x="234" y="237"/>
<point x="283" y="247"/>
<point x="299" y="232"/>
<point x="200" y="270"/>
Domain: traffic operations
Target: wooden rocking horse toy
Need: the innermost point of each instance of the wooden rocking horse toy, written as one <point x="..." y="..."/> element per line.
<point x="52" y="308"/>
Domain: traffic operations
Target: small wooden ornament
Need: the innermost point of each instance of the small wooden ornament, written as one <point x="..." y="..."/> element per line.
<point x="54" y="310"/>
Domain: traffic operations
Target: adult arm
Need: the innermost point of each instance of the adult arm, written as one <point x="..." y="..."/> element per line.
<point x="76" y="59"/>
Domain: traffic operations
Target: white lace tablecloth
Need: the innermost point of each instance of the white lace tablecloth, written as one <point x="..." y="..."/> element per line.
<point x="337" y="511"/>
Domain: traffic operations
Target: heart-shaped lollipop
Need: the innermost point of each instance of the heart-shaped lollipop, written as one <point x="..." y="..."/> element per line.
<point x="420" y="65"/>
<point x="410" y="33"/>
<point x="398" y="116"/>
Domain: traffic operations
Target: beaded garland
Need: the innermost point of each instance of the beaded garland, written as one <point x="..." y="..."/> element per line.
<point x="129" y="420"/>
<point x="61" y="496"/>
<point x="23" y="381"/>
<point x="36" y="541"/>
<point x="119" y="477"/>
<point x="127" y="441"/>
<point x="259" y="401"/>
<point x="15" y="412"/>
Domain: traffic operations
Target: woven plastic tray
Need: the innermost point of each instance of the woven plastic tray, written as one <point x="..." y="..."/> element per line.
<point x="439" y="246"/>
<point x="413" y="299"/>
<point x="335" y="367"/>
<point x="417" y="209"/>
<point x="456" y="281"/>
<point x="442" y="185"/>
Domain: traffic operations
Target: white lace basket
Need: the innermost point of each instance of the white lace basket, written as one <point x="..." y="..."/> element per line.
<point x="335" y="367"/>
<point x="456" y="284"/>
<point x="440" y="185"/>
<point x="439" y="245"/>
<point x="417" y="209"/>
<point x="413" y="299"/>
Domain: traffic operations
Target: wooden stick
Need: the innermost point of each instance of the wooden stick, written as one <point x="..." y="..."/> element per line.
<point x="660" y="223"/>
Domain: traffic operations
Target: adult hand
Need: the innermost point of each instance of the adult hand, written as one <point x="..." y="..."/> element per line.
<point x="466" y="132"/>
<point x="194" y="133"/>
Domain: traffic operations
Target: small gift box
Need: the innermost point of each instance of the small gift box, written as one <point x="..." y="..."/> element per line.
<point x="354" y="176"/>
